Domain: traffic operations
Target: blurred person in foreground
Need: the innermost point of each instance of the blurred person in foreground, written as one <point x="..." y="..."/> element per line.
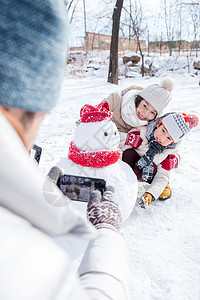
<point x="32" y="59"/>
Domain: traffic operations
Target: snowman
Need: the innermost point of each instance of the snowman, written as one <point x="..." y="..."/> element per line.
<point x="94" y="152"/>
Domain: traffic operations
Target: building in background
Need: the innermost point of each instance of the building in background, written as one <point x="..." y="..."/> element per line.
<point x="97" y="41"/>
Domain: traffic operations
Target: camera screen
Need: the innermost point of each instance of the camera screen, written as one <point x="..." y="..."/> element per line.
<point x="79" y="188"/>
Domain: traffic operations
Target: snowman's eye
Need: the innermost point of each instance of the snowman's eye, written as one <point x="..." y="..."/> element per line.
<point x="105" y="133"/>
<point x="115" y="133"/>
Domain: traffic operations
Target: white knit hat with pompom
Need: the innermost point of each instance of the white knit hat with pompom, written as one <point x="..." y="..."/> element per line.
<point x="158" y="95"/>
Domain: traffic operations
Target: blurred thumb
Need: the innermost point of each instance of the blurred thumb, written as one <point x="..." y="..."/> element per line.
<point x="55" y="173"/>
<point x="108" y="194"/>
<point x="95" y="197"/>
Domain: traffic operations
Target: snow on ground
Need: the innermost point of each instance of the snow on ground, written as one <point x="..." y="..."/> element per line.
<point x="164" y="241"/>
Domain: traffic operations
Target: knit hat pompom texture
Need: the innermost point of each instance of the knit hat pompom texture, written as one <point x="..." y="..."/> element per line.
<point x="158" y="95"/>
<point x="179" y="124"/>
<point x="33" y="39"/>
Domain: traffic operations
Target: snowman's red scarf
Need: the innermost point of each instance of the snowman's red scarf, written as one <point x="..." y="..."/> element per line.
<point x="96" y="159"/>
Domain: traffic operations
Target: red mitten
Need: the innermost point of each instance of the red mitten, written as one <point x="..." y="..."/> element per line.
<point x="133" y="139"/>
<point x="170" y="162"/>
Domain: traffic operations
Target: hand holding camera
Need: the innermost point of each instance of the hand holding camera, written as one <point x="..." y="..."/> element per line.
<point x="103" y="212"/>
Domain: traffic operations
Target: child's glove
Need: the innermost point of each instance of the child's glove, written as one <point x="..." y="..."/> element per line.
<point x="55" y="173"/>
<point x="170" y="162"/>
<point x="133" y="139"/>
<point x="145" y="200"/>
<point x="104" y="213"/>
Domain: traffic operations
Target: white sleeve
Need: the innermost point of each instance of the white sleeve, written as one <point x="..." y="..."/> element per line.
<point x="105" y="267"/>
<point x="159" y="182"/>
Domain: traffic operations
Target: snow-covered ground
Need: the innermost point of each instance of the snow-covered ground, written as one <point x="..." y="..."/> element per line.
<point x="164" y="241"/>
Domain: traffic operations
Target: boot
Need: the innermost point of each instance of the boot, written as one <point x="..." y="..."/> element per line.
<point x="166" y="194"/>
<point x="145" y="200"/>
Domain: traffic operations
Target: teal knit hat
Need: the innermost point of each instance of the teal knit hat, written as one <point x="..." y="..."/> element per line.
<point x="33" y="48"/>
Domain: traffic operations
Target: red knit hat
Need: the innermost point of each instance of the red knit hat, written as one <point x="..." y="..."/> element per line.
<point x="98" y="113"/>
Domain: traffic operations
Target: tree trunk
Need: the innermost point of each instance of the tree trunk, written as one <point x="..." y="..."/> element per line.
<point x="85" y="26"/>
<point x="113" y="64"/>
<point x="142" y="66"/>
<point x="140" y="50"/>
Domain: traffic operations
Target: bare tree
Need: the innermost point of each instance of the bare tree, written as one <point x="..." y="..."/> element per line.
<point x="136" y="22"/>
<point x="195" y="15"/>
<point x="168" y="24"/>
<point x="179" y="5"/>
<point x="161" y="44"/>
<point x="113" y="64"/>
<point x="71" y="6"/>
<point x="135" y="16"/>
<point x="85" y="25"/>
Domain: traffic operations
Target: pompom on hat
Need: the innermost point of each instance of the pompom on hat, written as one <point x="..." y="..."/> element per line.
<point x="33" y="38"/>
<point x="178" y="124"/>
<point x="158" y="95"/>
<point x="98" y="113"/>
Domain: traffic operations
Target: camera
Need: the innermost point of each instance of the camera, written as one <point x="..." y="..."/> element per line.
<point x="79" y="188"/>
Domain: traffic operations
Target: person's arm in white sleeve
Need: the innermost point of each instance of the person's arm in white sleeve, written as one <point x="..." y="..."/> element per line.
<point x="105" y="267"/>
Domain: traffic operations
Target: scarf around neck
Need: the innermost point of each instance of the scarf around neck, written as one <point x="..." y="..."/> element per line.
<point x="146" y="161"/>
<point x="96" y="159"/>
<point x="128" y="110"/>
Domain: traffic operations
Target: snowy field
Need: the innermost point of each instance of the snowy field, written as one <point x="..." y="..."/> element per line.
<point x="164" y="241"/>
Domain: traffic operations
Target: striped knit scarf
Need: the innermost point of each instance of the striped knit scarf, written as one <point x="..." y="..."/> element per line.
<point x="146" y="161"/>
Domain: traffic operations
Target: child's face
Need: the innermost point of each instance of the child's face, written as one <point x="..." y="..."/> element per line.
<point x="145" y="111"/>
<point x="162" y="136"/>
